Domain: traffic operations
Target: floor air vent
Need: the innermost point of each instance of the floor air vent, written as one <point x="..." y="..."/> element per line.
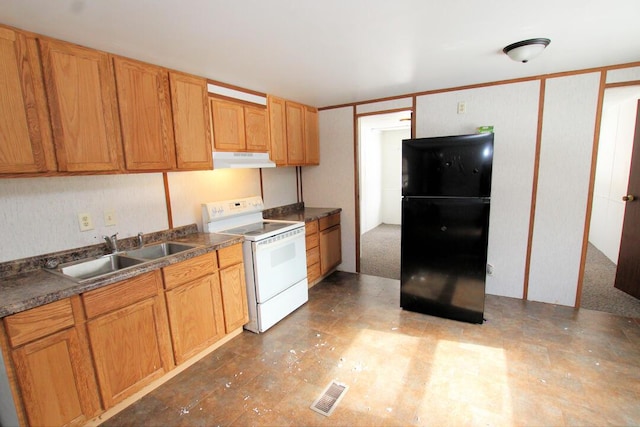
<point x="330" y="398"/>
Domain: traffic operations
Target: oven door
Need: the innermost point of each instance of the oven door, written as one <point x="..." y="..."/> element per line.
<point x="279" y="263"/>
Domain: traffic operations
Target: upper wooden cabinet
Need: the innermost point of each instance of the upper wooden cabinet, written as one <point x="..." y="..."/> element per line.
<point x="311" y="136"/>
<point x="239" y="127"/>
<point x="190" y="103"/>
<point x="256" y="128"/>
<point x="294" y="133"/>
<point x="25" y="134"/>
<point x="145" y="115"/>
<point x="82" y="99"/>
<point x="278" y="130"/>
<point x="70" y="109"/>
<point x="227" y="119"/>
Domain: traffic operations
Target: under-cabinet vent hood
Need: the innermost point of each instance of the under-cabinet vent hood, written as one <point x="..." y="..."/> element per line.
<point x="224" y="160"/>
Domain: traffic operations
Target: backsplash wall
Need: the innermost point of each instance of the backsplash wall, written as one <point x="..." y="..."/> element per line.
<point x="40" y="215"/>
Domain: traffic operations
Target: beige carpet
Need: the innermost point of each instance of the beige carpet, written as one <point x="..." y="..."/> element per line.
<point x="380" y="256"/>
<point x="598" y="292"/>
<point x="380" y="252"/>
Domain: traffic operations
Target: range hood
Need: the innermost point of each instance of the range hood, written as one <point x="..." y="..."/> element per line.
<point x="224" y="160"/>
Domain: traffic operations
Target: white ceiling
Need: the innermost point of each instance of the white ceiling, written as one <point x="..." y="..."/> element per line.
<point x="328" y="52"/>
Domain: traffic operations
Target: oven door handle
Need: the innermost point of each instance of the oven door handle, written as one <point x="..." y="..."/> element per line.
<point x="271" y="243"/>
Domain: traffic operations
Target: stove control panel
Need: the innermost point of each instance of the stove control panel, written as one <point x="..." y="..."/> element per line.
<point x="228" y="208"/>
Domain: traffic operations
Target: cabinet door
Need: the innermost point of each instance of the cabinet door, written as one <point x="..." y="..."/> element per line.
<point x="234" y="297"/>
<point x="277" y="130"/>
<point x="190" y="104"/>
<point x="295" y="133"/>
<point x="228" y="125"/>
<point x="256" y="124"/>
<point x="145" y="115"/>
<point x="25" y="134"/>
<point x="82" y="98"/>
<point x="195" y="316"/>
<point x="128" y="348"/>
<point x="311" y="136"/>
<point x="56" y="380"/>
<point x="330" y="249"/>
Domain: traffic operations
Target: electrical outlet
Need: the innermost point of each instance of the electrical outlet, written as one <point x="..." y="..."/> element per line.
<point x="489" y="269"/>
<point x="85" y="221"/>
<point x="109" y="218"/>
<point x="462" y="107"/>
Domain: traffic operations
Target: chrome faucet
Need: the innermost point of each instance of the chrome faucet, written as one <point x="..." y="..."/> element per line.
<point x="140" y="240"/>
<point x="112" y="242"/>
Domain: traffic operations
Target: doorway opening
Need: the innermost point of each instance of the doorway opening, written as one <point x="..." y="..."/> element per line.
<point x="615" y="147"/>
<point x="380" y="189"/>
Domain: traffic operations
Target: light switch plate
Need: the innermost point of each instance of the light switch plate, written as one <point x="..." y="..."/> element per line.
<point x="85" y="221"/>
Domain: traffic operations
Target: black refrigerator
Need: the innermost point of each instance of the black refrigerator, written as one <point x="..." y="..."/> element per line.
<point x="446" y="196"/>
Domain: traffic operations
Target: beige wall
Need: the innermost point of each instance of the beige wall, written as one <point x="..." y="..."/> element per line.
<point x="513" y="111"/>
<point x="569" y="118"/>
<point x="332" y="183"/>
<point x="563" y="187"/>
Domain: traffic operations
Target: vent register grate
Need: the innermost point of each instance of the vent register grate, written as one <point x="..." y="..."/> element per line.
<point x="329" y="399"/>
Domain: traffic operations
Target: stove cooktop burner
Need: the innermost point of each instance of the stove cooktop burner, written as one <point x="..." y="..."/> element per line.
<point x="262" y="230"/>
<point x="257" y="228"/>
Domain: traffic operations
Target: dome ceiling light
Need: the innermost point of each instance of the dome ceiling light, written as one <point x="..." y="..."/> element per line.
<point x="525" y="50"/>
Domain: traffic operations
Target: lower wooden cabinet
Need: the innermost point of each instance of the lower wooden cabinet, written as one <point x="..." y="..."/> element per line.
<point x="130" y="342"/>
<point x="324" y="247"/>
<point x="52" y="366"/>
<point x="194" y="304"/>
<point x="312" y="241"/>
<point x="330" y="243"/>
<point x="70" y="360"/>
<point x="234" y="290"/>
<point x="330" y="251"/>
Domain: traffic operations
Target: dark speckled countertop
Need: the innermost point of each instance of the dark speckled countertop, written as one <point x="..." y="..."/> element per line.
<point x="26" y="284"/>
<point x="298" y="212"/>
<point x="32" y="286"/>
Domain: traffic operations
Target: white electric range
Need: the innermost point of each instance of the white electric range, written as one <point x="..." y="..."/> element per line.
<point x="274" y="258"/>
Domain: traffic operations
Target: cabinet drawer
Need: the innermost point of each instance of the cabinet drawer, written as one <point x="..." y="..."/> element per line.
<point x="121" y="294"/>
<point x="313" y="256"/>
<point x="311" y="241"/>
<point x="230" y="255"/>
<point x="311" y="227"/>
<point x="186" y="271"/>
<point x="329" y="221"/>
<point x="39" y="322"/>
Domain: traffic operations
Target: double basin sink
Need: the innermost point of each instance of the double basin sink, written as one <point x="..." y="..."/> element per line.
<point x="97" y="267"/>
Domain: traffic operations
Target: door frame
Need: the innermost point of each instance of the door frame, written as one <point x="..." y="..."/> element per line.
<point x="594" y="159"/>
<point x="356" y="142"/>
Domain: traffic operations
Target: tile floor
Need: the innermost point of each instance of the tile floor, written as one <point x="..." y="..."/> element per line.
<point x="528" y="364"/>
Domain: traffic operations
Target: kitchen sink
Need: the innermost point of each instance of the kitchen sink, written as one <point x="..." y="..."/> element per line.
<point x="160" y="250"/>
<point x="84" y="270"/>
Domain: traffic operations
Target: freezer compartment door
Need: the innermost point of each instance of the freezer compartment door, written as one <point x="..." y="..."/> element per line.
<point x="452" y="166"/>
<point x="444" y="256"/>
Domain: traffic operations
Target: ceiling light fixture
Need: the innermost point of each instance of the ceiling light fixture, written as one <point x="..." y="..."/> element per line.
<point x="526" y="49"/>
